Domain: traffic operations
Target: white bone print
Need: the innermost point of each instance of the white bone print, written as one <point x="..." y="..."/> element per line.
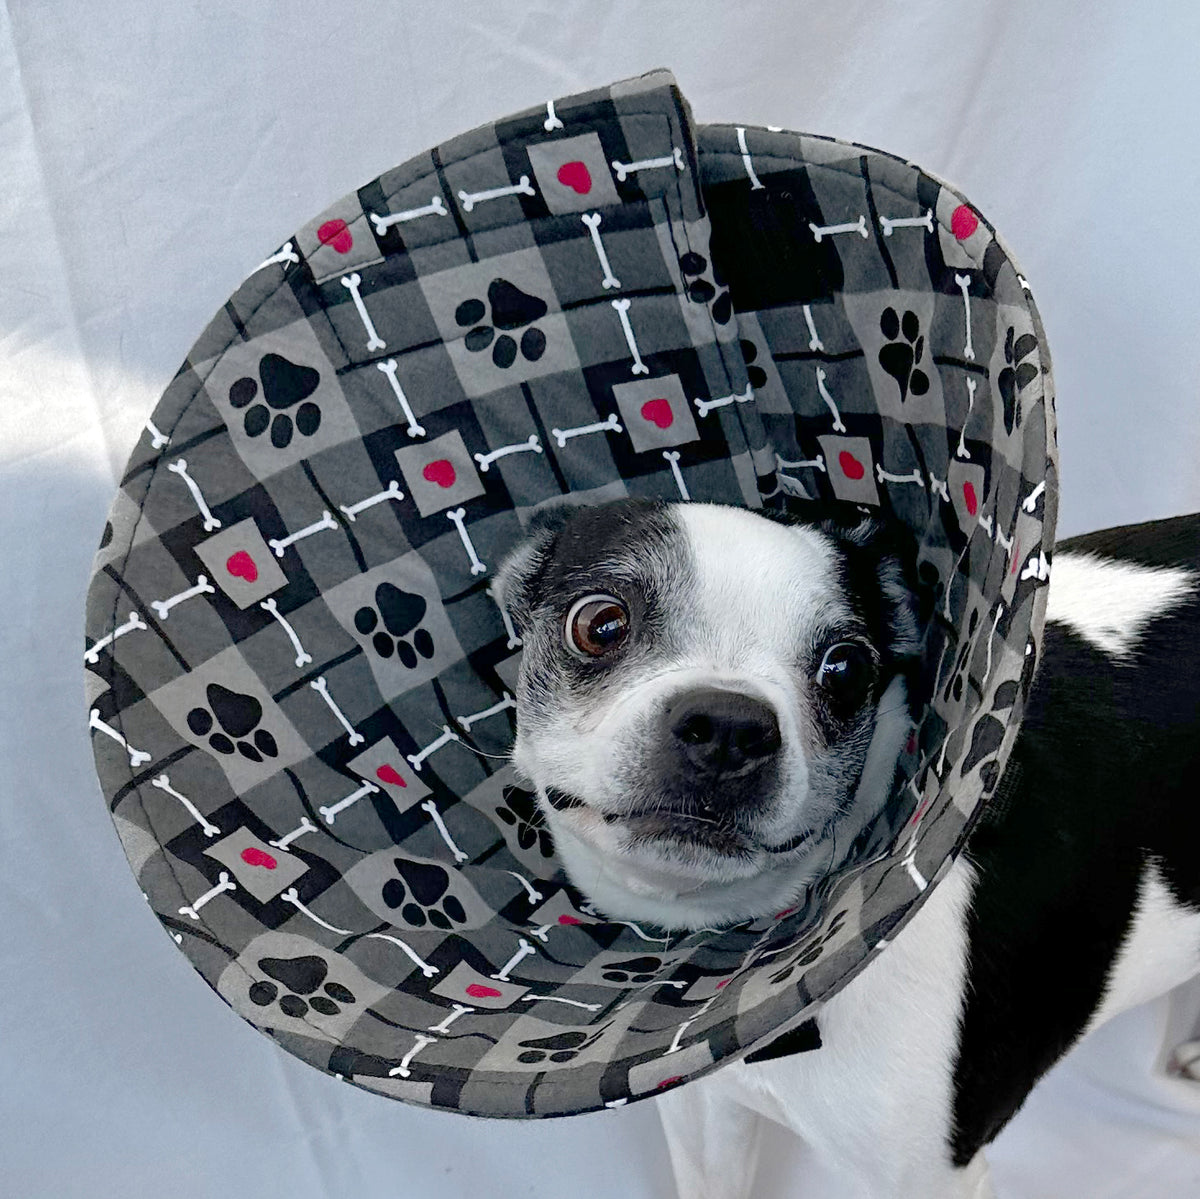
<point x="292" y="896"/>
<point x="322" y="689"/>
<point x="532" y="444"/>
<point x="279" y="544"/>
<point x="817" y="463"/>
<point x="590" y="1007"/>
<point x="672" y="458"/>
<point x="624" y="169"/>
<point x="814" y="342"/>
<point x="202" y="587"/>
<point x="964" y="285"/>
<point x="157" y="439"/>
<point x="542" y="932"/>
<point x="962" y="450"/>
<point x="460" y="1009"/>
<point x="520" y="188"/>
<point x="611" y="425"/>
<point x="425" y="968"/>
<point x="448" y="734"/>
<point x="458" y="516"/>
<point x="755" y="184"/>
<point x="552" y="121"/>
<point x="436" y="816"/>
<point x="535" y="896"/>
<point x="522" y="953"/>
<point x="995" y="625"/>
<point x="330" y="814"/>
<point x="506" y="703"/>
<point x="92" y="656"/>
<point x="305" y="826"/>
<point x="136" y="756"/>
<point x="915" y="477"/>
<point x="592" y="221"/>
<point x="907" y="222"/>
<point x="821" y="231"/>
<point x="163" y="783"/>
<point x="286" y="254"/>
<point x="622" y="308"/>
<point x="1036" y="568"/>
<point x="704" y="407"/>
<point x="382" y="224"/>
<point x="352" y="283"/>
<point x="838" y="427"/>
<point x="1029" y="503"/>
<point x="391" y="492"/>
<point x="389" y="368"/>
<point x="224" y="883"/>
<point x="939" y="487"/>
<point x="179" y="468"/>
<point x="402" y="1070"/>
<point x="514" y="641"/>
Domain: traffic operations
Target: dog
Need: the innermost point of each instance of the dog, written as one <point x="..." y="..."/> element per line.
<point x="710" y="706"/>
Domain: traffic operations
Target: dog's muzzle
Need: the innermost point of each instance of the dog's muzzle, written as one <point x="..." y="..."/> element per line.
<point x="717" y="751"/>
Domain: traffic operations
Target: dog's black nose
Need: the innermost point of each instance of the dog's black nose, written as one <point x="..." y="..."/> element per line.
<point x="722" y="733"/>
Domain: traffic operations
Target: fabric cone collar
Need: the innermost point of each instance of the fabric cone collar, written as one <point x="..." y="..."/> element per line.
<point x="300" y="686"/>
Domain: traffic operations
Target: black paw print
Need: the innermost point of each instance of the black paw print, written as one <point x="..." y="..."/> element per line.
<point x="238" y="716"/>
<point x="520" y="811"/>
<point x="420" y="894"/>
<point x="1017" y="374"/>
<point x="811" y="951"/>
<point x="700" y="290"/>
<point x="905" y="349"/>
<point x="561" y="1047"/>
<point x="512" y="309"/>
<point x="756" y="374"/>
<point x="635" y="970"/>
<point x="300" y="977"/>
<point x="955" y="686"/>
<point x="401" y="612"/>
<point x="284" y="385"/>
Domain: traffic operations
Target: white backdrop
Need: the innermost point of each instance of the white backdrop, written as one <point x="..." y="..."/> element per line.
<point x="152" y="154"/>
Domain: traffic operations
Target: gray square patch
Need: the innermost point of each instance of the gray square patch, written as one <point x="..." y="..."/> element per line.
<point x="573" y="173"/>
<point x="655" y="412"/>
<point x="439" y="473"/>
<point x="241" y="564"/>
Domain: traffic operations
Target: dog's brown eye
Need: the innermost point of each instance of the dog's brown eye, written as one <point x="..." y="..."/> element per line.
<point x="846" y="675"/>
<point x="595" y="625"/>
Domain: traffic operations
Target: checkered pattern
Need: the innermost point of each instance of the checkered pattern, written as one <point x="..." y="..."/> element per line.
<point x="300" y="686"/>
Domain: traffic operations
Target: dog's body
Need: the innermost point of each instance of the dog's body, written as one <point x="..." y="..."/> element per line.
<point x="1079" y="893"/>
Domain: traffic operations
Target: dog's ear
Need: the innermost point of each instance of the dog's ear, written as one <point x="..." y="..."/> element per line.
<point x="880" y="557"/>
<point x="515" y="584"/>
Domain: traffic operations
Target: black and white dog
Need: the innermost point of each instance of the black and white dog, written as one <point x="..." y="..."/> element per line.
<point x="711" y="701"/>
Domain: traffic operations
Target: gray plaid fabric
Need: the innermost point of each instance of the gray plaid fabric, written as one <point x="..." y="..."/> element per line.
<point x="300" y="686"/>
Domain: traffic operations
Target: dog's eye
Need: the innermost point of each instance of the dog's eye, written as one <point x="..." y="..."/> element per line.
<point x="595" y="625"/>
<point x="846" y="674"/>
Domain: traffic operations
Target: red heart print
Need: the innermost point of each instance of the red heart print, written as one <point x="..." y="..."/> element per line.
<point x="335" y="233"/>
<point x="242" y="566"/>
<point x="441" y="472"/>
<point x="567" y="920"/>
<point x="253" y="856"/>
<point x="670" y="1082"/>
<point x="971" y="498"/>
<point x="576" y="176"/>
<point x="479" y="991"/>
<point x="724" y="983"/>
<point x="658" y="412"/>
<point x="963" y="222"/>
<point x="389" y="774"/>
<point x="851" y="467"/>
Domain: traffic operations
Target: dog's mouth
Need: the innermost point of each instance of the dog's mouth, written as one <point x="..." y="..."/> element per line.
<point x="656" y="826"/>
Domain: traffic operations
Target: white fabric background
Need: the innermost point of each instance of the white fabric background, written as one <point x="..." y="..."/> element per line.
<point x="152" y="154"/>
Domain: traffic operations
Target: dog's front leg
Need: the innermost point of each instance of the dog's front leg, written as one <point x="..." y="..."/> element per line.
<point x="713" y="1139"/>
